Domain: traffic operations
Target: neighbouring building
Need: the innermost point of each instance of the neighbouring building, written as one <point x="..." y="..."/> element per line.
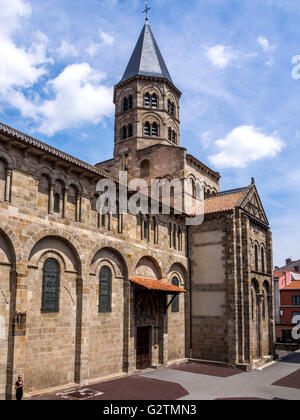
<point x="290" y="265"/>
<point x="288" y="304"/>
<point x="85" y="296"/>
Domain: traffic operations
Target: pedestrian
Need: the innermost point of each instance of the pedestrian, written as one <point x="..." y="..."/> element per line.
<point x="19" y="388"/>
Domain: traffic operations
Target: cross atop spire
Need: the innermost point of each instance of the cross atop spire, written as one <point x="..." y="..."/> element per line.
<point x="147" y="10"/>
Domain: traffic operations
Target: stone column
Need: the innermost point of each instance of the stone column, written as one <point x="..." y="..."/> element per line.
<point x="78" y="207"/>
<point x="51" y="199"/>
<point x="17" y="329"/>
<point x="8" y="185"/>
<point x="65" y="197"/>
<point x="271" y="298"/>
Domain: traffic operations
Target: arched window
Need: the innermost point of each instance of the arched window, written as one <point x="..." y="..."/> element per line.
<point x="51" y="286"/>
<point x="130" y="102"/>
<point x="154" y="101"/>
<point x="252" y="303"/>
<point x="172" y="108"/>
<point x="147" y="100"/>
<point x="170" y="134"/>
<point x="154" y="129"/>
<point x="175" y="303"/>
<point x="125" y="104"/>
<point x="146" y="230"/>
<point x="56" y="203"/>
<point x="179" y="239"/>
<point x="193" y="187"/>
<point x="147" y="129"/>
<point x="265" y="301"/>
<point x="169" y="106"/>
<point x="262" y="260"/>
<point x="256" y="257"/>
<point x="124" y="133"/>
<point x="130" y="130"/>
<point x="170" y="235"/>
<point x="145" y="169"/>
<point x="105" y="290"/>
<point x="174" y="137"/>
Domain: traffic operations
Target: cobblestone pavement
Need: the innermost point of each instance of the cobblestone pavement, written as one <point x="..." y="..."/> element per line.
<point x="192" y="381"/>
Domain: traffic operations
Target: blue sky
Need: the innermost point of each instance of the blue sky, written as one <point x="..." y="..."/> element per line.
<point x="232" y="59"/>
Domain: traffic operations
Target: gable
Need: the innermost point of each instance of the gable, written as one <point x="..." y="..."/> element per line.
<point x="252" y="204"/>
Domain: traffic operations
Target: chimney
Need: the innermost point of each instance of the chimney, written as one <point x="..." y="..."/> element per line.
<point x="252" y="181"/>
<point x="288" y="261"/>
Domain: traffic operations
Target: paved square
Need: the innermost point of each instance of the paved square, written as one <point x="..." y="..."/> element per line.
<point x="278" y="381"/>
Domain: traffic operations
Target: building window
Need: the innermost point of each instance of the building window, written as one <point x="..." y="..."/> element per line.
<point x="252" y="304"/>
<point x="146" y="230"/>
<point x="147" y="129"/>
<point x="51" y="285"/>
<point x="105" y="290"/>
<point x="265" y="301"/>
<point x="56" y="203"/>
<point x="147" y="100"/>
<point x="145" y="169"/>
<point x="154" y="100"/>
<point x="296" y="300"/>
<point x="174" y="237"/>
<point x="154" y="129"/>
<point x="263" y="259"/>
<point x="256" y="257"/>
<point x="287" y="336"/>
<point x="174" y="137"/>
<point x="125" y="105"/>
<point x="175" y="303"/>
<point x="130" y="102"/>
<point x="293" y="316"/>
<point x="170" y="134"/>
<point x="124" y="133"/>
<point x="171" y="107"/>
<point x="130" y="130"/>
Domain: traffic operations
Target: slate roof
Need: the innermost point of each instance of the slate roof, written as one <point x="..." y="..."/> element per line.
<point x="224" y="202"/>
<point x="146" y="59"/>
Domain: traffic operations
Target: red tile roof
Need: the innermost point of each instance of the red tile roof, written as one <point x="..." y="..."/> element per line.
<point x="159" y="285"/>
<point x="223" y="202"/>
<point x="295" y="285"/>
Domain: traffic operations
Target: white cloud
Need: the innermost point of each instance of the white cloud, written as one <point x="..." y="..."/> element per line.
<point x="20" y="67"/>
<point x="106" y="38"/>
<point x="243" y="145"/>
<point x="221" y="55"/>
<point x="66" y="50"/>
<point x="265" y="44"/>
<point x="79" y="98"/>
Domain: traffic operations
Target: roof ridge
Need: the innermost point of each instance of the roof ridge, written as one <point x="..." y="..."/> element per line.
<point x="229" y="192"/>
<point x="6" y="129"/>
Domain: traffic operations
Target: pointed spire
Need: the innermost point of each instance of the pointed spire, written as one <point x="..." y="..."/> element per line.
<point x="146" y="59"/>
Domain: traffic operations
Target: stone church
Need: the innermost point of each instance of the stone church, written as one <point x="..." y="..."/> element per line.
<point x="84" y="296"/>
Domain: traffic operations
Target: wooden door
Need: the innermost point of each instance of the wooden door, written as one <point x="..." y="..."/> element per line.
<point x="143" y="348"/>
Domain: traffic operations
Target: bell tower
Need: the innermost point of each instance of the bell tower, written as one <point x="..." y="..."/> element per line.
<point x="146" y="101"/>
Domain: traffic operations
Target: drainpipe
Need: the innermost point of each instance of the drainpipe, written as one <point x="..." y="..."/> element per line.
<point x="190" y="282"/>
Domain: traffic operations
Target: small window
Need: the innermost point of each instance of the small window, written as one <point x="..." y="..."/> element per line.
<point x="105" y="290"/>
<point x="51" y="285"/>
<point x="174" y="137"/>
<point x="146" y="230"/>
<point x="124" y="133"/>
<point x="169" y="106"/>
<point x="170" y="134"/>
<point x="147" y="129"/>
<point x="296" y="314"/>
<point x="172" y="109"/>
<point x="175" y="303"/>
<point x="263" y="259"/>
<point x="252" y="304"/>
<point x="256" y="257"/>
<point x="130" y="130"/>
<point x="103" y="220"/>
<point x="296" y="300"/>
<point x="145" y="169"/>
<point x="130" y="102"/>
<point x="154" y="100"/>
<point x="147" y="100"/>
<point x="56" y="203"/>
<point x="125" y="105"/>
<point x="174" y="238"/>
<point x="154" y="130"/>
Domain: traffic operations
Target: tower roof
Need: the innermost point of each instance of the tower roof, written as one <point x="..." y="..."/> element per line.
<point x="146" y="59"/>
